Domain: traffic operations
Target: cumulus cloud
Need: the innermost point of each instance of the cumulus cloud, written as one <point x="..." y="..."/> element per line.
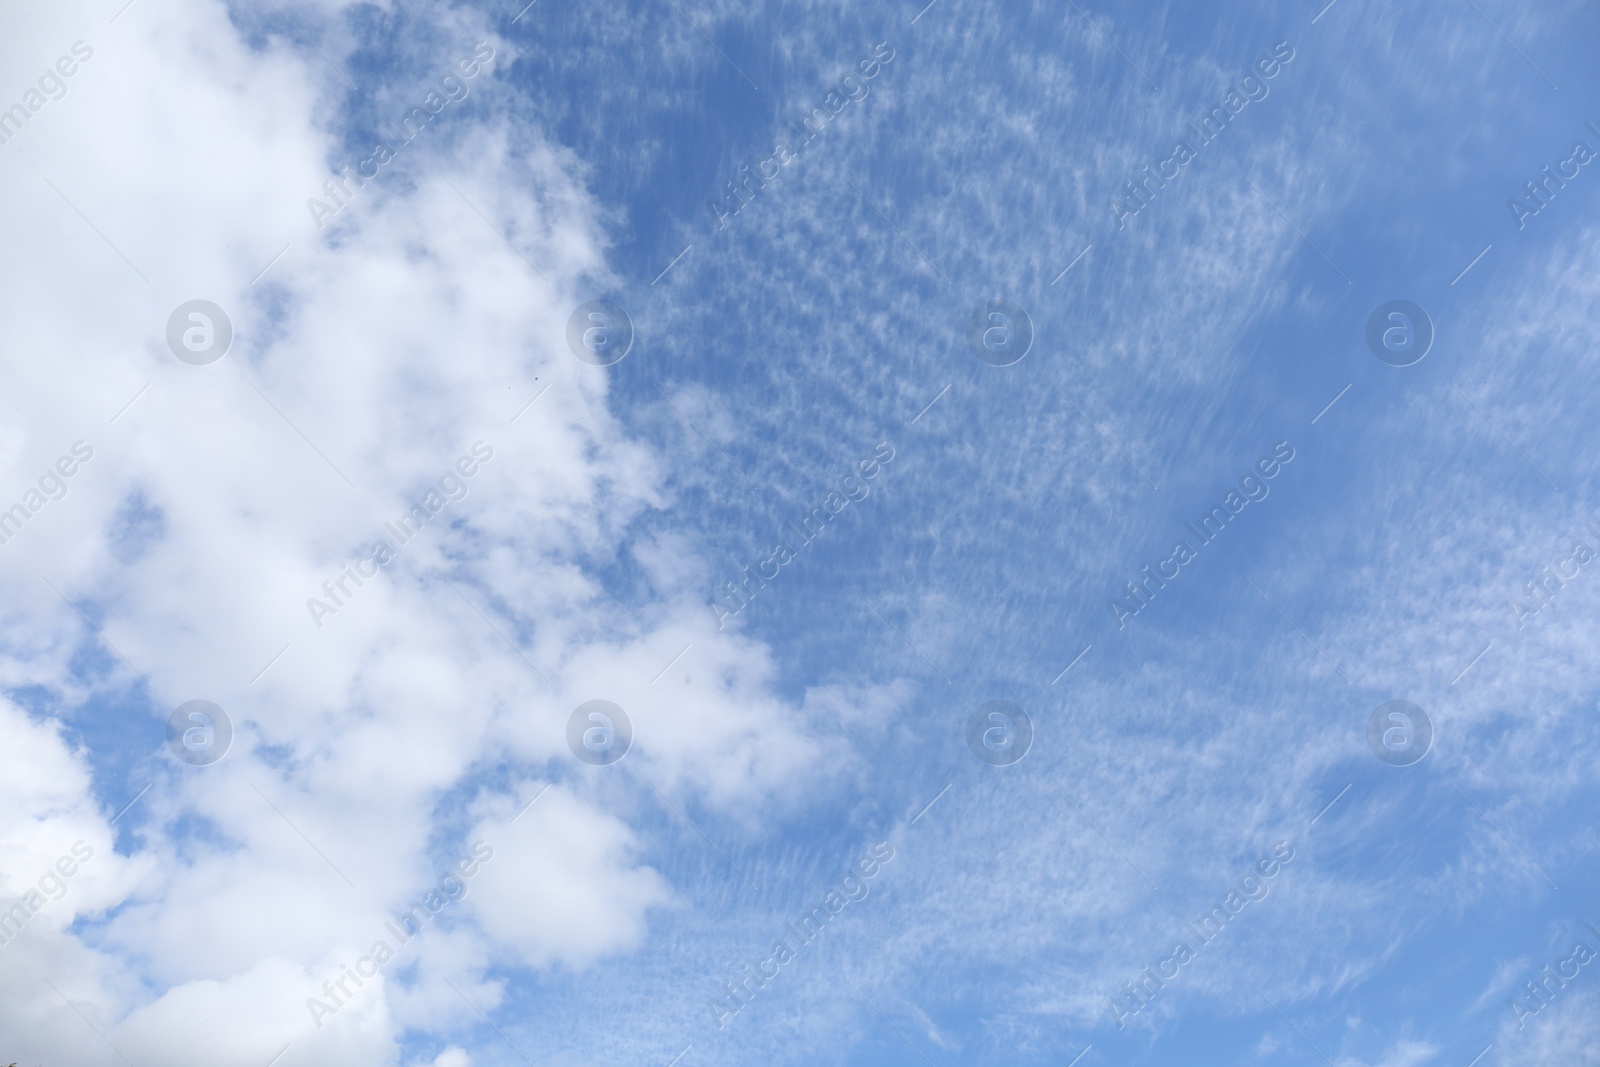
<point x="374" y="361"/>
<point x="565" y="884"/>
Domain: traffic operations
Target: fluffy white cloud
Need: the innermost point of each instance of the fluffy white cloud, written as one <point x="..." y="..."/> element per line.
<point x="367" y="361"/>
<point x="564" y="883"/>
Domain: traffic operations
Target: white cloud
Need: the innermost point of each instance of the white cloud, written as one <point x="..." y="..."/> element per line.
<point x="564" y="884"/>
<point x="374" y="353"/>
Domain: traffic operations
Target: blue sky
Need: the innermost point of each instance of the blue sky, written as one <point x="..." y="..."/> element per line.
<point x="1214" y="335"/>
